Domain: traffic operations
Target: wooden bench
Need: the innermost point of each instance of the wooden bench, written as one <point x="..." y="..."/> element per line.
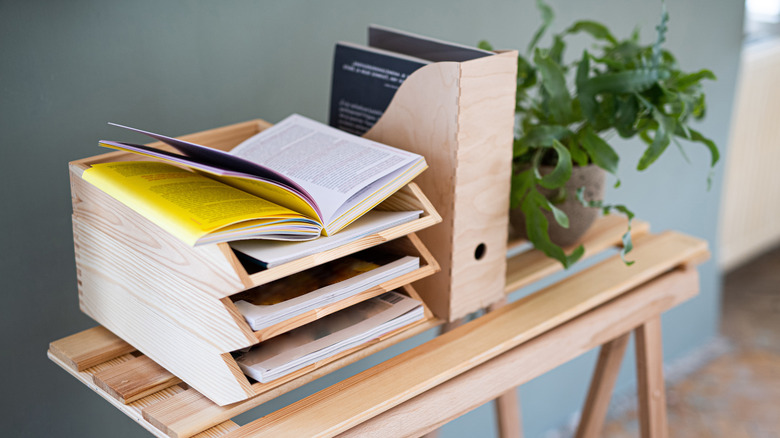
<point x="419" y="390"/>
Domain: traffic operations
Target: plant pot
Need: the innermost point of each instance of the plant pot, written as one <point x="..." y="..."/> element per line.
<point x="581" y="218"/>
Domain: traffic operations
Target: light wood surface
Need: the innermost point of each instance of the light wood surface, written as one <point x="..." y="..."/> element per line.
<point x="650" y="380"/>
<point x="508" y="414"/>
<point x="347" y="403"/>
<point x="532" y="265"/>
<point x="89" y="348"/>
<point x="487" y="381"/>
<point x="189" y="412"/>
<point x="133" y="409"/>
<point x="601" y="386"/>
<point x="171" y="301"/>
<point x="459" y="116"/>
<point x="135" y="379"/>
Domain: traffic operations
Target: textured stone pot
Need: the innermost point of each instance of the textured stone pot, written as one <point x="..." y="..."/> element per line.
<point x="581" y="218"/>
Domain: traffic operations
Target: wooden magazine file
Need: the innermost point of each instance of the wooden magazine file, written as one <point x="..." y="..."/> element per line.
<point x="460" y="116"/>
<point x="172" y="301"/>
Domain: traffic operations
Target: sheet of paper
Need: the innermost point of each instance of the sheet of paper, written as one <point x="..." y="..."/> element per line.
<point x="259" y="316"/>
<point x="327" y="336"/>
<point x="276" y="253"/>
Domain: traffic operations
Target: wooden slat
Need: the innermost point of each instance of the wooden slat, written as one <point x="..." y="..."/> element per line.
<point x="650" y="380"/>
<point x="601" y="386"/>
<point x="133" y="410"/>
<point x="135" y="379"/>
<point x="530" y="266"/>
<point x="485" y="382"/>
<point x="189" y="412"/>
<point x="89" y="348"/>
<point x="367" y="394"/>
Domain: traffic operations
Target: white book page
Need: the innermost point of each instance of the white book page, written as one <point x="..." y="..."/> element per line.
<point x="329" y="164"/>
<point x="275" y="253"/>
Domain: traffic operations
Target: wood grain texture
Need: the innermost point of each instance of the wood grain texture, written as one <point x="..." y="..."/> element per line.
<point x="89" y="348"/>
<point x="135" y="316"/>
<point x="519" y="365"/>
<point x="135" y="379"/>
<point x="507" y="409"/>
<point x="601" y="385"/>
<point x="190" y="411"/>
<point x="133" y="410"/>
<point x="650" y="380"/>
<point x="468" y="178"/>
<point x="530" y="266"/>
<point x="407" y="375"/>
<point x="170" y="300"/>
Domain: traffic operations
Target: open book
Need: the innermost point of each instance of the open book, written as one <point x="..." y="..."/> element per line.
<point x="329" y="336"/>
<point x="294" y="181"/>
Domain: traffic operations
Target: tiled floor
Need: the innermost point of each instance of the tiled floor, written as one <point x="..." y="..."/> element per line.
<point x="737" y="394"/>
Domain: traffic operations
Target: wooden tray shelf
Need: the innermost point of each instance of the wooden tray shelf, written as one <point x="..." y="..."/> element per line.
<point x="409" y="245"/>
<point x="172" y="301"/>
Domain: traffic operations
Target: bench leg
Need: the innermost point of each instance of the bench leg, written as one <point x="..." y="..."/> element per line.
<point x="650" y="380"/>
<point x="601" y="385"/>
<point x="510" y="424"/>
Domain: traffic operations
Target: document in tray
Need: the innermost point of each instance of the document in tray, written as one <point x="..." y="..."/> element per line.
<point x="329" y="336"/>
<point x="312" y="179"/>
<point x="286" y="298"/>
<point x="274" y="253"/>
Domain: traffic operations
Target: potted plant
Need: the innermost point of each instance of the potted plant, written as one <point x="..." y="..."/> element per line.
<point x="566" y="112"/>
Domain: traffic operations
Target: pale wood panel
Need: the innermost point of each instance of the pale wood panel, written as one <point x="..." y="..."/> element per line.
<point x="111" y="265"/>
<point x="650" y="380"/>
<point x="508" y="414"/>
<point x="530" y="266"/>
<point x="485" y="382"/>
<point x="141" y="322"/>
<point x="427" y="115"/>
<point x="601" y="386"/>
<point x="364" y="395"/>
<point x="204" y="266"/>
<point x="133" y="410"/>
<point x="89" y="348"/>
<point x="135" y="379"/>
<point x="751" y="185"/>
<point x="482" y="181"/>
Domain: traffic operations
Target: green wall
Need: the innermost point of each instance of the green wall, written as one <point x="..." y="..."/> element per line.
<point x="68" y="67"/>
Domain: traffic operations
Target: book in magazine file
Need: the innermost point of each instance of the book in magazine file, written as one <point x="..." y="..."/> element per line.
<point x="296" y="180"/>
<point x="365" y="78"/>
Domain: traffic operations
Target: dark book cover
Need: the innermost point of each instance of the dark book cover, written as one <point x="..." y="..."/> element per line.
<point x="431" y="49"/>
<point x="365" y="80"/>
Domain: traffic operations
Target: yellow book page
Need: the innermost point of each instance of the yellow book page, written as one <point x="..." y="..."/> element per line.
<point x="272" y="193"/>
<point x="186" y="204"/>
